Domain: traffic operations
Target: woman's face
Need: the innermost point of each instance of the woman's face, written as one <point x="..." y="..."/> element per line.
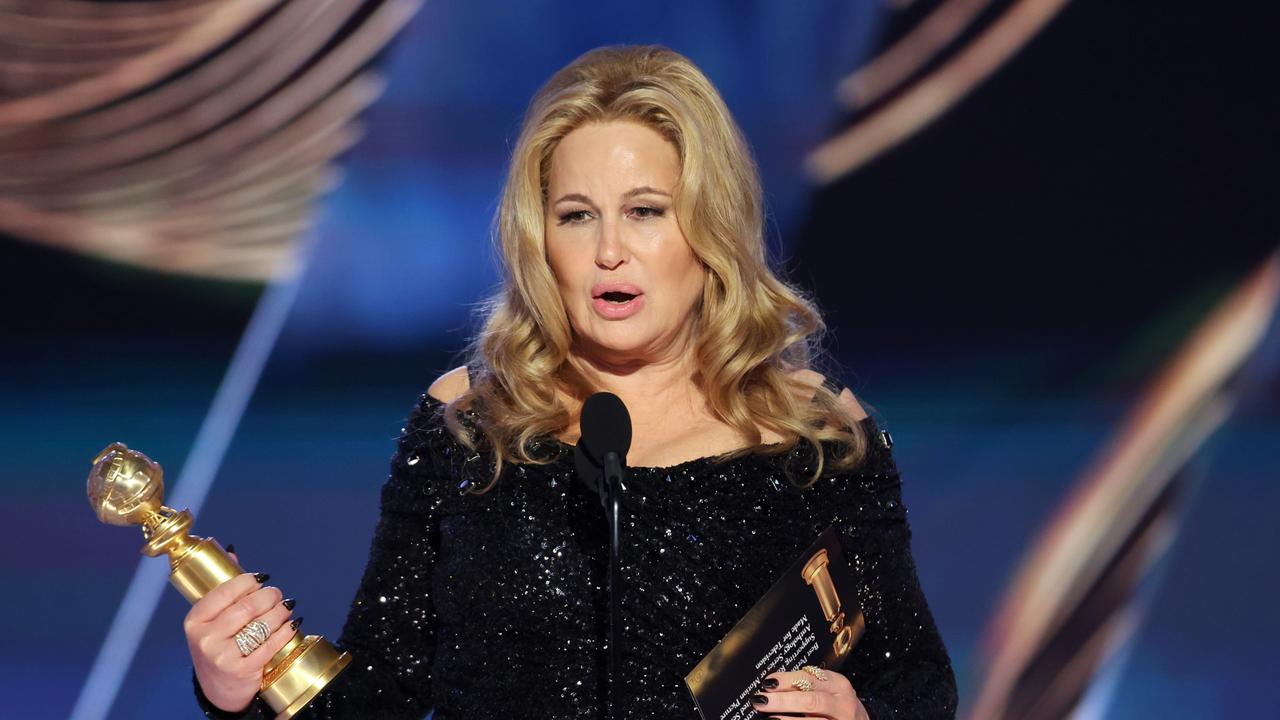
<point x="626" y="274"/>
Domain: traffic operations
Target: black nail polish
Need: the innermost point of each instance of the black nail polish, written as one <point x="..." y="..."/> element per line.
<point x="261" y="577"/>
<point x="296" y="622"/>
<point x="759" y="700"/>
<point x="288" y="604"/>
<point x="231" y="548"/>
<point x="769" y="683"/>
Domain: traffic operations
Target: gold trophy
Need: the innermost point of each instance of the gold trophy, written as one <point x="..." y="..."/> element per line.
<point x="126" y="488"/>
<point x="817" y="575"/>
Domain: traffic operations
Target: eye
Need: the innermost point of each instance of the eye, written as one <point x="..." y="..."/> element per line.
<point x="647" y="211"/>
<point x="575" y="217"/>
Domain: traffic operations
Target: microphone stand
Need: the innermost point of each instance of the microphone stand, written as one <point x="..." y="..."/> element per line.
<point x="610" y="498"/>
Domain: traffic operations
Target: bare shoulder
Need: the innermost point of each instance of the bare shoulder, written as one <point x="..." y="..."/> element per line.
<point x="852" y="406"/>
<point x="450" y="385"/>
<point x="815" y="379"/>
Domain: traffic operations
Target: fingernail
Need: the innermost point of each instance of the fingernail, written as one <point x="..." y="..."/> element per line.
<point x="288" y="604"/>
<point x="759" y="700"/>
<point x="231" y="548"/>
<point x="261" y="577"/>
<point x="296" y="622"/>
<point x="769" y="683"/>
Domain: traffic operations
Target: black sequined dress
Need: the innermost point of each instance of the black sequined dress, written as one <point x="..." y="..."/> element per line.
<point x="496" y="605"/>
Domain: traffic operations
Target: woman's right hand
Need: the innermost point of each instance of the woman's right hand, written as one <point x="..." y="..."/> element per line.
<point x="230" y="680"/>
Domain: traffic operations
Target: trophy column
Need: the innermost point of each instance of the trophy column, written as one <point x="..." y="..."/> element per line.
<point x="126" y="488"/>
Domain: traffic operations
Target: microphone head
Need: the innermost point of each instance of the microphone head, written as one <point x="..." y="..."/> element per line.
<point x="606" y="427"/>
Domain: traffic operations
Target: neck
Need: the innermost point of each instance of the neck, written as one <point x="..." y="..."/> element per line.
<point x="651" y="389"/>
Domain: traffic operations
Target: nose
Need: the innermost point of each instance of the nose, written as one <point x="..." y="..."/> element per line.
<point x="611" y="251"/>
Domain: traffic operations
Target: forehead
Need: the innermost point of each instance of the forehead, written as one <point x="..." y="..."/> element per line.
<point x="615" y="152"/>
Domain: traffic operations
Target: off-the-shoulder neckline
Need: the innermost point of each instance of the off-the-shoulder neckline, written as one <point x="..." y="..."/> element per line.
<point x="566" y="449"/>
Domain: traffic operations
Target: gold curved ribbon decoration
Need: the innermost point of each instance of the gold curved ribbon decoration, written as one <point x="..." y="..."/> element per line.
<point x="910" y="105"/>
<point x="191" y="136"/>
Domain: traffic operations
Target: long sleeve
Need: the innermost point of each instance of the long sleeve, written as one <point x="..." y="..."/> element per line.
<point x="900" y="667"/>
<point x="390" y="628"/>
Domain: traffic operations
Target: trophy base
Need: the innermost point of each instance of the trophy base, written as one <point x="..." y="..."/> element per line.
<point x="310" y="663"/>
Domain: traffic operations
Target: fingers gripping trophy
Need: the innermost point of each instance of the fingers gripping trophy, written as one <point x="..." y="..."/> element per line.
<point x="126" y="488"/>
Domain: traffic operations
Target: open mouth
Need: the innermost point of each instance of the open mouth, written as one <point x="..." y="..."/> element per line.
<point x="618" y="298"/>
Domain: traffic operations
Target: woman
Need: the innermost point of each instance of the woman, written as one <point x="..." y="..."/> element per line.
<point x="633" y="251"/>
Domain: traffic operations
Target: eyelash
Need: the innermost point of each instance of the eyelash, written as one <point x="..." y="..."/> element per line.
<point x="575" y="217"/>
<point x="570" y="218"/>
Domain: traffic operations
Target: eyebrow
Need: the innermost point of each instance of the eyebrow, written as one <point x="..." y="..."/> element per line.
<point x="645" y="190"/>
<point x="642" y="190"/>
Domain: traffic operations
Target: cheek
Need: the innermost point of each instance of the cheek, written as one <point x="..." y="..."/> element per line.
<point x="560" y="260"/>
<point x="689" y="277"/>
<point x="694" y="287"/>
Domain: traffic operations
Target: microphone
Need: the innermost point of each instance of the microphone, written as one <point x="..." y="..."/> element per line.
<point x="601" y="460"/>
<point x="605" y="440"/>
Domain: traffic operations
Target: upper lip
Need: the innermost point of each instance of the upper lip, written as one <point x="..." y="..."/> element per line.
<point x="620" y="287"/>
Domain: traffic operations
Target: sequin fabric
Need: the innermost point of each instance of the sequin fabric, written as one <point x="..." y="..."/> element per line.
<point x="496" y="605"/>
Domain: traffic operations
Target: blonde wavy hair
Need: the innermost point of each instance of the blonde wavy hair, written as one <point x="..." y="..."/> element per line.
<point x="753" y="332"/>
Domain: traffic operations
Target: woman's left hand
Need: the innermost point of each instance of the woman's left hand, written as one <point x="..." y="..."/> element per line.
<point x="831" y="696"/>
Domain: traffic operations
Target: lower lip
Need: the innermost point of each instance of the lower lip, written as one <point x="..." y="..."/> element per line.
<point x="618" y="311"/>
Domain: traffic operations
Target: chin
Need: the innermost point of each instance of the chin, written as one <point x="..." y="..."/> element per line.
<point x="619" y="341"/>
<point x="622" y="347"/>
